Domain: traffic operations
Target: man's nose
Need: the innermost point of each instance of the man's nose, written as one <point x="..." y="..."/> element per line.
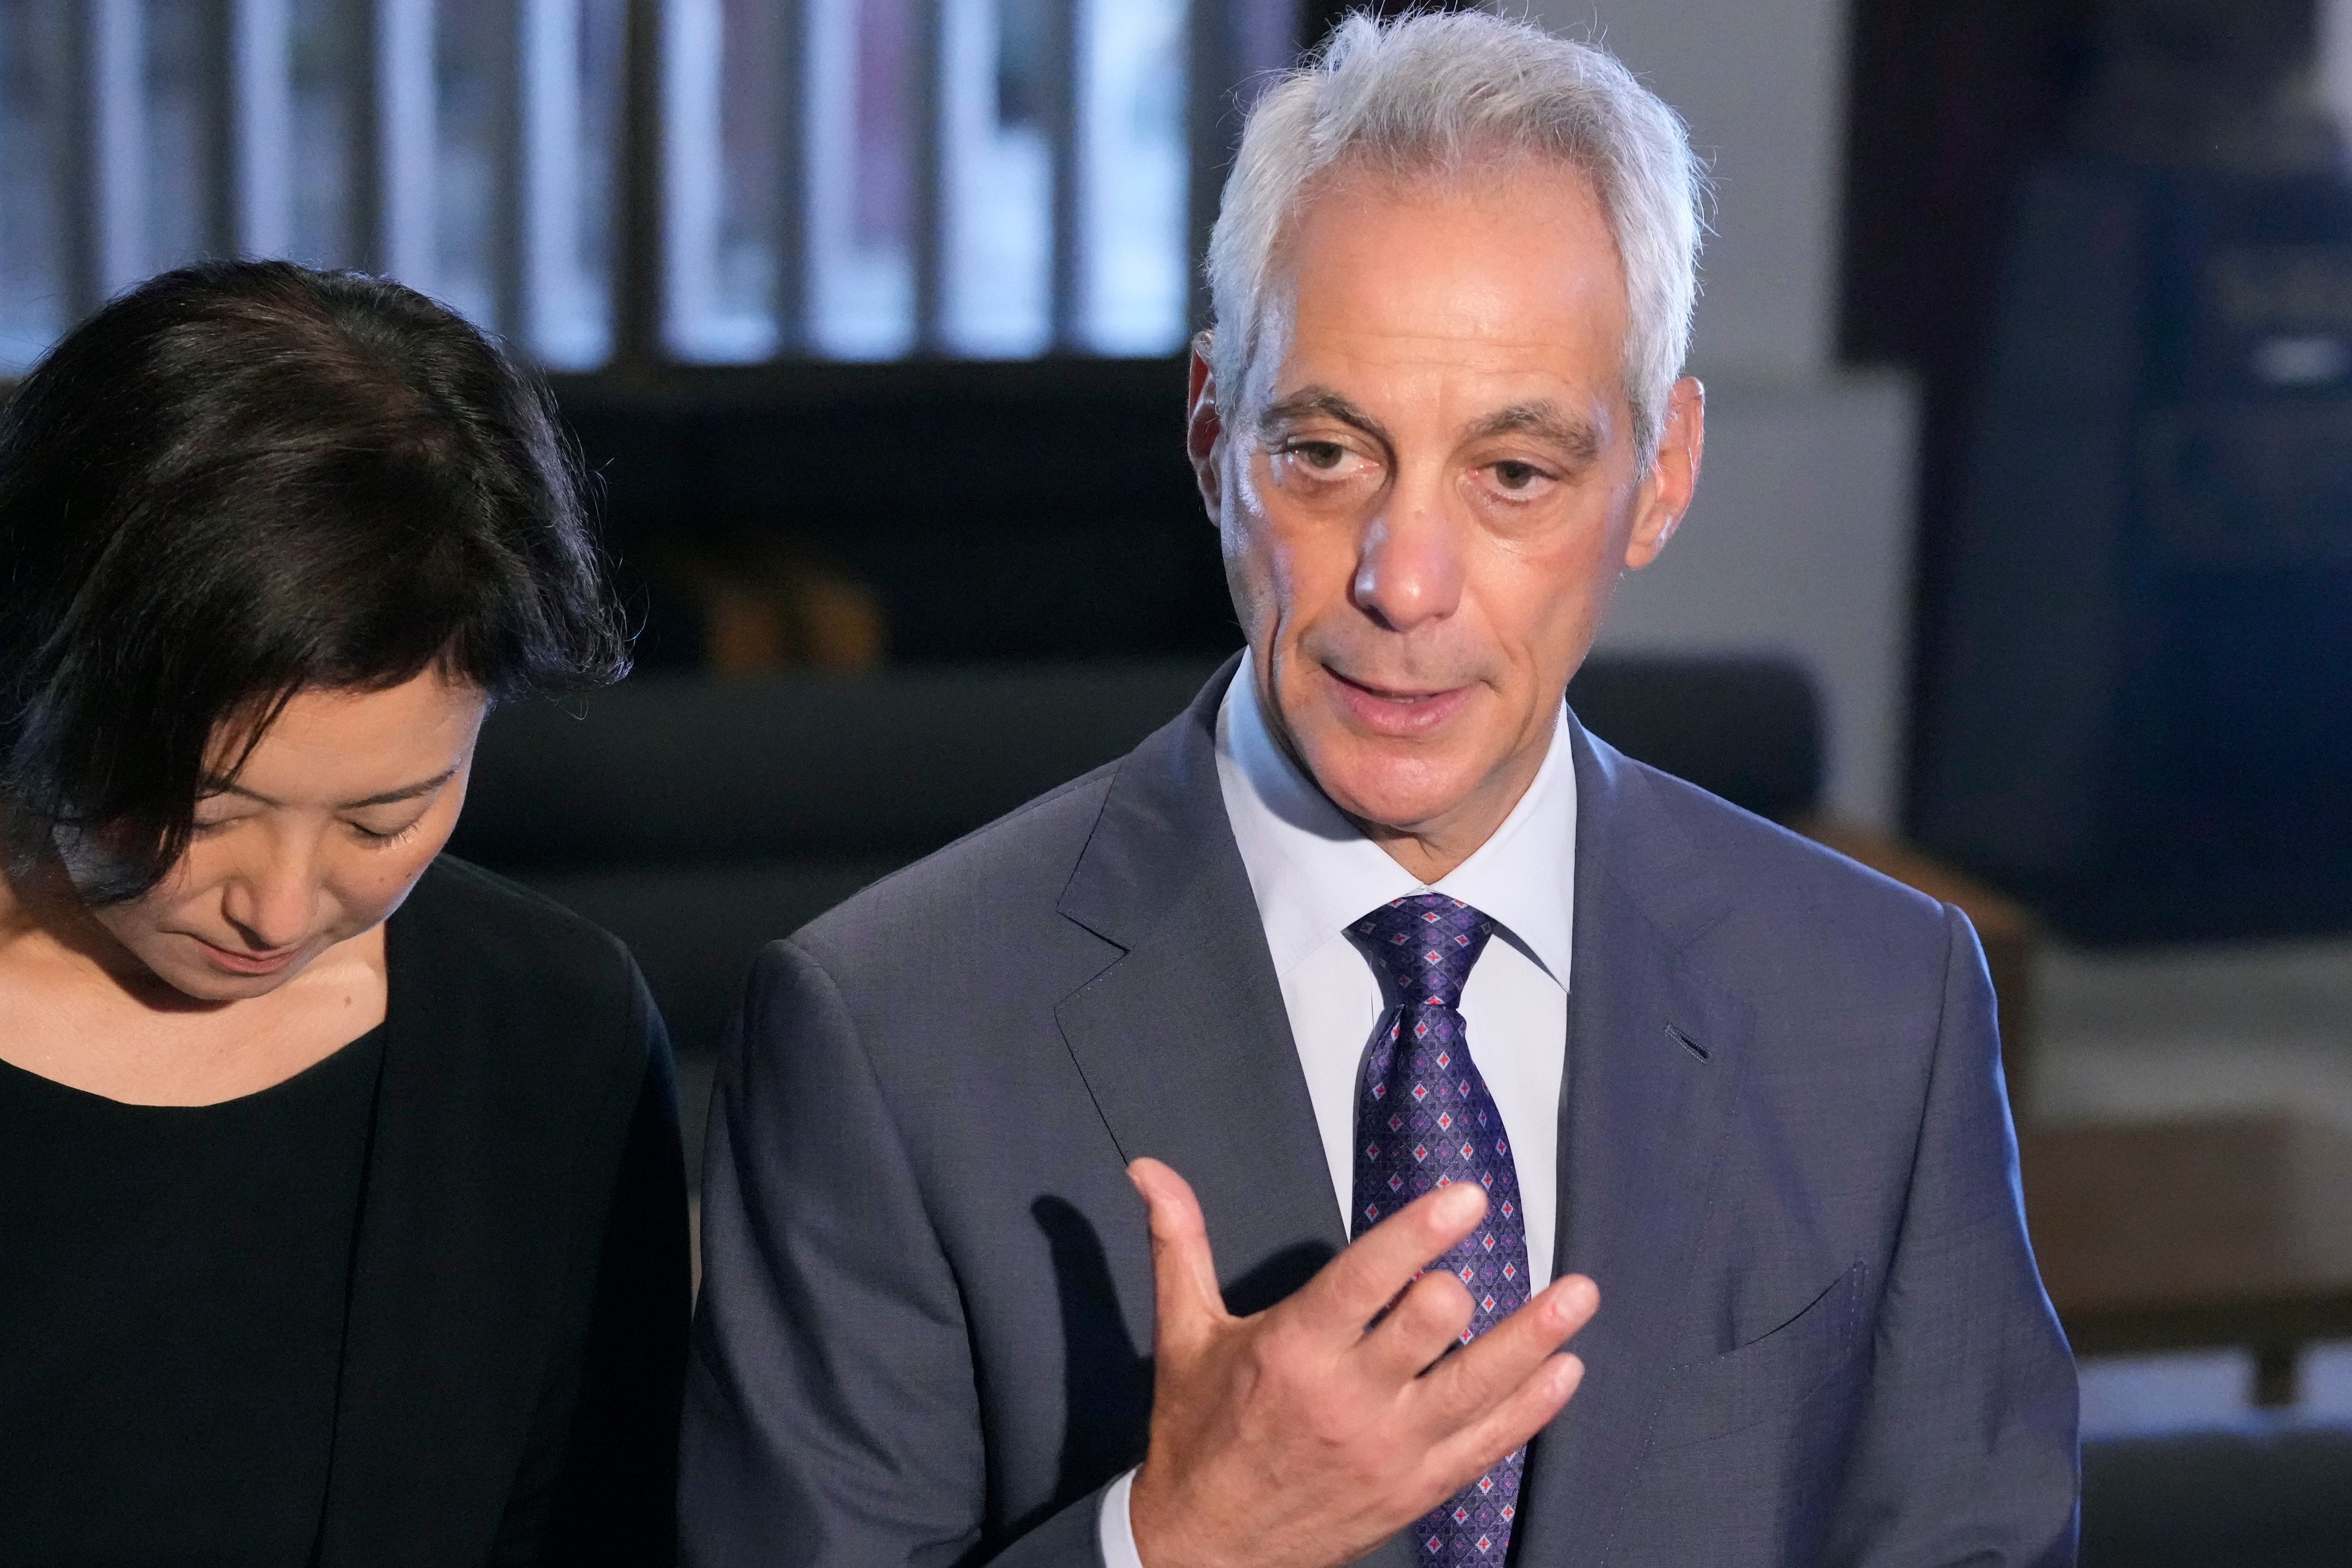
<point x="270" y="899"/>
<point x="1409" y="565"/>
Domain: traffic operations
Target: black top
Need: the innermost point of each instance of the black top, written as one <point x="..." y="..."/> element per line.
<point x="173" y="1285"/>
<point x="512" y="1325"/>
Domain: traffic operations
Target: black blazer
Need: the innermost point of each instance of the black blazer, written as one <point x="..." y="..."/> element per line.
<point x="926" y="1321"/>
<point x="519" y="1290"/>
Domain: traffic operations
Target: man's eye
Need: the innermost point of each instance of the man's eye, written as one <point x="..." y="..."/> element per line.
<point x="1323" y="465"/>
<point x="1516" y="476"/>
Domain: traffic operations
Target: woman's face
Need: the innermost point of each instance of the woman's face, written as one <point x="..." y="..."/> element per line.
<point x="318" y="838"/>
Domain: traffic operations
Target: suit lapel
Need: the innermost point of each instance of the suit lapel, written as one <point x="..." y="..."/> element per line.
<point x="1185" y="1041"/>
<point x="1654" y="1061"/>
<point x="1186" y="1046"/>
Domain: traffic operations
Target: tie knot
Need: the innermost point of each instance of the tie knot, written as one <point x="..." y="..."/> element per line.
<point x="1425" y="946"/>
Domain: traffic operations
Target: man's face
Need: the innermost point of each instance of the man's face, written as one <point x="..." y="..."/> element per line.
<point x="1428" y="488"/>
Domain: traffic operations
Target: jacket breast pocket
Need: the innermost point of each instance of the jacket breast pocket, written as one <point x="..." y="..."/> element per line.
<point x="1766" y="1377"/>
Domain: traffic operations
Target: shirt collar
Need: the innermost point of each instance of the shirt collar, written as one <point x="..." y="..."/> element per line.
<point x="1314" y="874"/>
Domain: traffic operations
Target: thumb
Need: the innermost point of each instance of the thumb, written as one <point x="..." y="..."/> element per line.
<point x="1183" y="1270"/>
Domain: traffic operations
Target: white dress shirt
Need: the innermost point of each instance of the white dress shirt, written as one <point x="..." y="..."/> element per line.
<point x="1314" y="875"/>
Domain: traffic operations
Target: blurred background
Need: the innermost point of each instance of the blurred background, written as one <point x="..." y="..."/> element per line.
<point x="2021" y="568"/>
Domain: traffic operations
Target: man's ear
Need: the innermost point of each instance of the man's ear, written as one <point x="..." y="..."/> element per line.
<point x="1672" y="479"/>
<point x="1204" y="428"/>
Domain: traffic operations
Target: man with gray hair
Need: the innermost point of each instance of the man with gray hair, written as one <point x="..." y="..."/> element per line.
<point x="1206" y="1164"/>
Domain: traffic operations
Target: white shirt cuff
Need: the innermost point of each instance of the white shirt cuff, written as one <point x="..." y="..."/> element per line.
<point x="1118" y="1533"/>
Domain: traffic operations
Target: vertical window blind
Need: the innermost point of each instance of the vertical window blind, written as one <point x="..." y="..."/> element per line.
<point x="632" y="182"/>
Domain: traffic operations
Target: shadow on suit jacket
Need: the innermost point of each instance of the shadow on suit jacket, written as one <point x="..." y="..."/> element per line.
<point x="1785" y="1157"/>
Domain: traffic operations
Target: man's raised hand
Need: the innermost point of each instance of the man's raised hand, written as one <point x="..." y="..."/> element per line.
<point x="1295" y="1438"/>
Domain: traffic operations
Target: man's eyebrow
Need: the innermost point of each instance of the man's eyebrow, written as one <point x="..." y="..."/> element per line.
<point x="389" y="797"/>
<point x="1544" y="421"/>
<point x="1311" y="400"/>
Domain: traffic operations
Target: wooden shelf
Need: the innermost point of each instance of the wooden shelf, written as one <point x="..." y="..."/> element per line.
<point x="2224" y="1231"/>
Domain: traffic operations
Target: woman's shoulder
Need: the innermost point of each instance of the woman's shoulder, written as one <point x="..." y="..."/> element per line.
<point x="511" y="921"/>
<point x="467" y="944"/>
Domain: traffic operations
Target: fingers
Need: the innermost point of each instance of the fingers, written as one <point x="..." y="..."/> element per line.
<point x="1353" y="1287"/>
<point x="1426" y="1321"/>
<point x="1475" y="1448"/>
<point x="1497" y="1367"/>
<point x="1183" y="1270"/>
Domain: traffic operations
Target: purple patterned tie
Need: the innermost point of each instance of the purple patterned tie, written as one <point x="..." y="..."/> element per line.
<point x="1425" y="1120"/>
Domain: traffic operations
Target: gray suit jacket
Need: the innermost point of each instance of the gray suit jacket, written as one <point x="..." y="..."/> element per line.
<point x="926" y="1321"/>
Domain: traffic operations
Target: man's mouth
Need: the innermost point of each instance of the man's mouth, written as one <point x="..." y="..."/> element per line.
<point x="1396" y="710"/>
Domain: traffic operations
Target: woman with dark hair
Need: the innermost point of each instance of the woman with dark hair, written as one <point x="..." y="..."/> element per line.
<point x="341" y="1213"/>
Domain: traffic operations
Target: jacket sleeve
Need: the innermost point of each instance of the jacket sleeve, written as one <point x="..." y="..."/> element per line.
<point x="598" y="1483"/>
<point x="1966" y="1452"/>
<point x="832" y="1416"/>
